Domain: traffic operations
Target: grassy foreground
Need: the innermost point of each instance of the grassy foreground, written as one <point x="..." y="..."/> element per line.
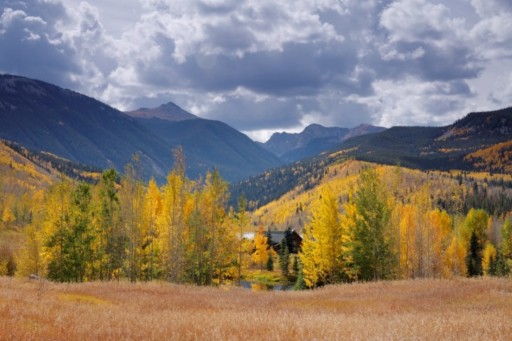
<point x="461" y="309"/>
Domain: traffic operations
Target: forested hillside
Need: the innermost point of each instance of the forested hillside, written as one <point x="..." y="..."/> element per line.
<point x="363" y="221"/>
<point x="443" y="148"/>
<point x="313" y="140"/>
<point x="22" y="188"/>
<point x="43" y="117"/>
<point x="210" y="145"/>
<point x="48" y="119"/>
<point x="359" y="221"/>
<point x="478" y="142"/>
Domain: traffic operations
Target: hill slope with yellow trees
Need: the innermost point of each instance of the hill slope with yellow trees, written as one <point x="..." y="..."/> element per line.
<point x="364" y="221"/>
<point x="22" y="185"/>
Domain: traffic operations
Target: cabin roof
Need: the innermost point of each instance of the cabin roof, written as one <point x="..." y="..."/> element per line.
<point x="277" y="236"/>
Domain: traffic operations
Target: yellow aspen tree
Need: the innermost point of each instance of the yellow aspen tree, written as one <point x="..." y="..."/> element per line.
<point x="309" y="259"/>
<point x="324" y="248"/>
<point x="488" y="258"/>
<point x="242" y="220"/>
<point x="422" y="231"/>
<point x="55" y="223"/>
<point x="455" y="258"/>
<point x="214" y="197"/>
<point x="131" y="198"/>
<point x="228" y="247"/>
<point x="506" y="241"/>
<point x="440" y="224"/>
<point x="476" y="222"/>
<point x="348" y="221"/>
<point x="408" y="244"/>
<point x="330" y="237"/>
<point x="260" y="254"/>
<point x="7" y="216"/>
<point x="29" y="257"/>
<point x="152" y="208"/>
<point x="171" y="227"/>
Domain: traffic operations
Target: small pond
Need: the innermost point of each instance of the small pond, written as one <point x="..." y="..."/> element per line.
<point x="258" y="286"/>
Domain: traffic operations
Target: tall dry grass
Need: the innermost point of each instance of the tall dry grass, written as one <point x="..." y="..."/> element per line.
<point x="461" y="309"/>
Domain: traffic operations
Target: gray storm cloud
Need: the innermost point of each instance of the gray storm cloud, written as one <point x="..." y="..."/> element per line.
<point x="270" y="66"/>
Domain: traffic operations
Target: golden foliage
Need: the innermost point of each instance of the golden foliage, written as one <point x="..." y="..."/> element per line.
<point x="260" y="254"/>
<point x="488" y="257"/>
<point x="496" y="157"/>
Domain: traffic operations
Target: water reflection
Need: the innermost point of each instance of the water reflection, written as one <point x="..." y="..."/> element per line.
<point x="257" y="286"/>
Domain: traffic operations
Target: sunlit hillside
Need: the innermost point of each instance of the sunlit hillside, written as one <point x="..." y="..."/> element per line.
<point x="494" y="159"/>
<point x="447" y="188"/>
<point x="22" y="185"/>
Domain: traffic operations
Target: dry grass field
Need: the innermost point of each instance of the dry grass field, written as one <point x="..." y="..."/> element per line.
<point x="461" y="309"/>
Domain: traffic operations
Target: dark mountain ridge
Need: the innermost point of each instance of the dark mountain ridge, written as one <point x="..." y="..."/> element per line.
<point x="212" y="144"/>
<point x="433" y="147"/>
<point x="313" y="140"/>
<point x="168" y="111"/>
<point x="456" y="146"/>
<point x="43" y="117"/>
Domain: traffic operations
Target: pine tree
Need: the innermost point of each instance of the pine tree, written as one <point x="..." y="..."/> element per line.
<point x="295" y="266"/>
<point x="300" y="283"/>
<point x="270" y="242"/>
<point x="284" y="258"/>
<point x="270" y="263"/>
<point x="474" y="257"/>
<point x="289" y="240"/>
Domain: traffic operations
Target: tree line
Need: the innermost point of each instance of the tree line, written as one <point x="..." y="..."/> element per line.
<point x="380" y="233"/>
<point x="121" y="228"/>
<point x="184" y="232"/>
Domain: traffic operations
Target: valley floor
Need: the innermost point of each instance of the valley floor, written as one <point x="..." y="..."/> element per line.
<point x="459" y="309"/>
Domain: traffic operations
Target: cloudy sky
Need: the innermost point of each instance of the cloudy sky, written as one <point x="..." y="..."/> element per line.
<point x="264" y="66"/>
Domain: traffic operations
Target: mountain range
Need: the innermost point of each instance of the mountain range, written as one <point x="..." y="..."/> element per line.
<point x="441" y="148"/>
<point x="481" y="141"/>
<point x="313" y="140"/>
<point x="67" y="125"/>
<point x="43" y="117"/>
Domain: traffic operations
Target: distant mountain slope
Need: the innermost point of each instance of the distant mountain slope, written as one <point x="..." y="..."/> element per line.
<point x="56" y="165"/>
<point x="42" y="116"/>
<point x="168" y="111"/>
<point x="496" y="158"/>
<point x="20" y="175"/>
<point x="281" y="143"/>
<point x="479" y="141"/>
<point x="313" y="140"/>
<point x="434" y="147"/>
<point x="212" y="144"/>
